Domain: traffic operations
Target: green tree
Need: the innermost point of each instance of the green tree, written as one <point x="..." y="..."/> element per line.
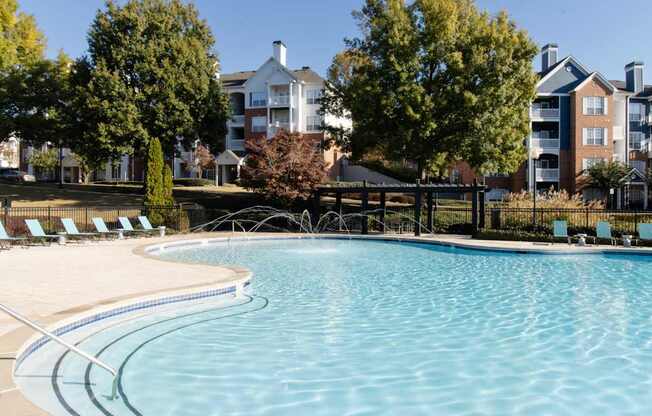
<point x="45" y="160"/>
<point x="21" y="42"/>
<point x="168" y="185"/>
<point x="156" y="194"/>
<point x="434" y="81"/>
<point x="34" y="102"/>
<point x="150" y="73"/>
<point x="606" y="175"/>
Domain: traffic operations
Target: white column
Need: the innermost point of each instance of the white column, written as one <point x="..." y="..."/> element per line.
<point x="299" y="107"/>
<point x="291" y="119"/>
<point x="269" y="95"/>
<point x="124" y="168"/>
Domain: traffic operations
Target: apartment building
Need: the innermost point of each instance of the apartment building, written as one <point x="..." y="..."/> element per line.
<point x="271" y="98"/>
<point x="579" y="118"/>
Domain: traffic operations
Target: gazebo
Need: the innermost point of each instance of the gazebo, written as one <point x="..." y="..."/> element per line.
<point x="420" y="191"/>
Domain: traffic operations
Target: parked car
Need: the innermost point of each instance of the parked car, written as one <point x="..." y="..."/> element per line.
<point x="15" y="175"/>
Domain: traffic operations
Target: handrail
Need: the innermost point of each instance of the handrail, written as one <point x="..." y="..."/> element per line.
<point x="68" y="346"/>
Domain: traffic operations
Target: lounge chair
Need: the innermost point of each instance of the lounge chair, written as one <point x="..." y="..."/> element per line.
<point x="144" y="222"/>
<point x="603" y="232"/>
<point x="37" y="233"/>
<point x="560" y="230"/>
<point x="73" y="232"/>
<point x="5" y="239"/>
<point x="128" y="228"/>
<point x="645" y="232"/>
<point x="102" y="229"/>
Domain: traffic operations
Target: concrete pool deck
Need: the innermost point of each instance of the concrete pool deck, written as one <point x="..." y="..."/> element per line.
<point x="50" y="284"/>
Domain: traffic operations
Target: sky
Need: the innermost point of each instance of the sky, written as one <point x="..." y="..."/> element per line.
<point x="604" y="35"/>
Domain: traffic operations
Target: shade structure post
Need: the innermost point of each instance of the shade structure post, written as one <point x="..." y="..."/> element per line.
<point x="365" y="208"/>
<point x="417" y="210"/>
<point x="429" y="207"/>
<point x="382" y="211"/>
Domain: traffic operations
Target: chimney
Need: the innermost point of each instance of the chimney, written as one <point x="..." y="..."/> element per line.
<point x="549" y="56"/>
<point x="634" y="76"/>
<point x="280" y="52"/>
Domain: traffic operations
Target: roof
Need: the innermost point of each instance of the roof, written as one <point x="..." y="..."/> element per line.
<point x="622" y="86"/>
<point x="551" y="68"/>
<point x="236" y="79"/>
<point x="596" y="75"/>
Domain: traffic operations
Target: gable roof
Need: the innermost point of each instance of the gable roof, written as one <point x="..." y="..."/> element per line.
<point x="237" y="78"/>
<point x="634" y="175"/>
<point x="545" y="75"/>
<point x="622" y="86"/>
<point x="304" y="74"/>
<point x="599" y="77"/>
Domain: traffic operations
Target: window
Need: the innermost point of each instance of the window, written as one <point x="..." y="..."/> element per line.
<point x="594" y="136"/>
<point x="636" y="112"/>
<point x="257" y="99"/>
<point x="635" y="140"/>
<point x="313" y="123"/>
<point x="639" y="165"/>
<point x="313" y="96"/>
<point x="590" y="162"/>
<point x="259" y="124"/>
<point x="595" y="106"/>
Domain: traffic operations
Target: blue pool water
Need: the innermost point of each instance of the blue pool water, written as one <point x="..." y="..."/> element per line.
<point x="338" y="327"/>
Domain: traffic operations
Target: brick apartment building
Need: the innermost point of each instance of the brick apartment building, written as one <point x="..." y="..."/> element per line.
<point x="578" y="118"/>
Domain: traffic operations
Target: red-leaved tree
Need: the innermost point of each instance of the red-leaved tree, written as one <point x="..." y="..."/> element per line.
<point x="285" y="168"/>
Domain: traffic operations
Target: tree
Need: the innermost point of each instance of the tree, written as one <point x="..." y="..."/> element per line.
<point x="46" y="160"/>
<point x="150" y="73"/>
<point x="435" y="82"/>
<point x="34" y="101"/>
<point x="606" y="175"/>
<point x="154" y="192"/>
<point x="284" y="169"/>
<point x="21" y="42"/>
<point x="203" y="160"/>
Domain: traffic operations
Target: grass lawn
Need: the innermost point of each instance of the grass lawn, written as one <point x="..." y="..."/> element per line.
<point x="45" y="194"/>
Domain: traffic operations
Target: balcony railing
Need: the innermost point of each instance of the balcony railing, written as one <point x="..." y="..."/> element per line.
<point x="279" y="100"/>
<point x="547" y="175"/>
<point x="275" y="127"/>
<point x="547" y="113"/>
<point x="238" y="119"/>
<point x="236" y="144"/>
<point x="545" y="143"/>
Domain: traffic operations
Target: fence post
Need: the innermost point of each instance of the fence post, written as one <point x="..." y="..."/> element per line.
<point x="365" y="207"/>
<point x="49" y="219"/>
<point x="417" y="210"/>
<point x="383" y="206"/>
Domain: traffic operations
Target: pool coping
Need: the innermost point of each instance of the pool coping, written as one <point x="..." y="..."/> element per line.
<point x="20" y="405"/>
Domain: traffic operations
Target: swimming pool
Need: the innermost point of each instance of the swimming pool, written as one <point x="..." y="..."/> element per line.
<point x="357" y="327"/>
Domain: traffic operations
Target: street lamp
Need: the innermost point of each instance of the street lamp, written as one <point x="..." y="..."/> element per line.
<point x="534" y="156"/>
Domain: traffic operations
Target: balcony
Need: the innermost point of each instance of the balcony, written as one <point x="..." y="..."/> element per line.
<point x="279" y="100"/>
<point x="545" y="144"/>
<point x="277" y="126"/>
<point x="541" y="113"/>
<point x="236" y="144"/>
<point x="547" y="175"/>
<point x="237" y="120"/>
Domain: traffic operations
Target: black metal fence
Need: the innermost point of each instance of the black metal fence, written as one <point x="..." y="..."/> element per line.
<point x="395" y="219"/>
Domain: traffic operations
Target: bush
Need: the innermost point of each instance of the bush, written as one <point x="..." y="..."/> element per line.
<point x="550" y="199"/>
<point x="158" y="183"/>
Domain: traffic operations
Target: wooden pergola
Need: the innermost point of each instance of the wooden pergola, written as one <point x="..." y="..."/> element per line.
<point x="420" y="192"/>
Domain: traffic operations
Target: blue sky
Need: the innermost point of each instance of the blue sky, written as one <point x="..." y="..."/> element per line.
<point x="602" y="34"/>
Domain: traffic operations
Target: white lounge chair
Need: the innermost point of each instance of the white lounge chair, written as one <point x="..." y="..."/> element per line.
<point x="37" y="233"/>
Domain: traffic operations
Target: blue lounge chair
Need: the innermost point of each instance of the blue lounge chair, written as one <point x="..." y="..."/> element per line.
<point x="603" y="232"/>
<point x="37" y="233"/>
<point x="5" y="239"/>
<point x="73" y="232"/>
<point x="560" y="230"/>
<point x="645" y="232"/>
<point x="102" y="229"/>
<point x="128" y="228"/>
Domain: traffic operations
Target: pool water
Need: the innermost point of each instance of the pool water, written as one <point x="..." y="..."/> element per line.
<point x="354" y="327"/>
